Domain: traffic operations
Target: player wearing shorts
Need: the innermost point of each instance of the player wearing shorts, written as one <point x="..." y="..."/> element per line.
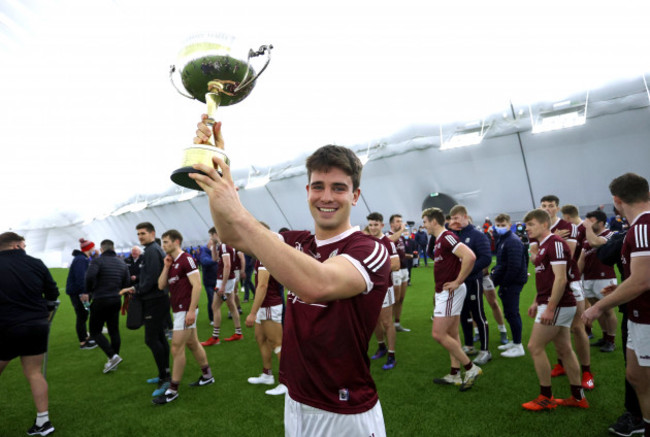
<point x="225" y="287"/>
<point x="630" y="192"/>
<point x="26" y="287"/>
<point x="336" y="280"/>
<point x="570" y="232"/>
<point x="554" y="310"/>
<point x="237" y="265"/>
<point x="266" y="316"/>
<point x="385" y="327"/>
<point x="596" y="275"/>
<point x="400" y="277"/>
<point x="182" y="276"/>
<point x="453" y="262"/>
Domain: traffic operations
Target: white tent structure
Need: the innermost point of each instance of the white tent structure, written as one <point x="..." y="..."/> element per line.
<point x="493" y="107"/>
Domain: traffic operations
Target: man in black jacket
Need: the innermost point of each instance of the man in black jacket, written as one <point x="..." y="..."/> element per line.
<point x="510" y="274"/>
<point x="75" y="287"/>
<point x="155" y="303"/>
<point x="473" y="307"/>
<point x="105" y="277"/>
<point x="27" y="290"/>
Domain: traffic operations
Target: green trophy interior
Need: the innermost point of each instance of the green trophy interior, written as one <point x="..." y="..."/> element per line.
<point x="197" y="73"/>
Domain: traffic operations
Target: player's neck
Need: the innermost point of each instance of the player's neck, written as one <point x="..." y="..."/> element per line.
<point x="633" y="211"/>
<point x="326" y="234"/>
<point x="554" y="220"/>
<point x="543" y="235"/>
<point x="175" y="253"/>
<point x="438" y="230"/>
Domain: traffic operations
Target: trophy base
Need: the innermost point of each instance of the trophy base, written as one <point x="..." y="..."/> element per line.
<point x="197" y="154"/>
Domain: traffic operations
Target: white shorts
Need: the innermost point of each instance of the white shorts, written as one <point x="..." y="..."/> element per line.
<point x="487" y="283"/>
<point x="301" y="420"/>
<point x="563" y="315"/>
<point x="578" y="293"/>
<point x="273" y="314"/>
<point x="230" y="285"/>
<point x="449" y="304"/>
<point x="389" y="300"/>
<point x="237" y="275"/>
<point x="593" y="287"/>
<point x="400" y="276"/>
<point x="638" y="340"/>
<point x="179" y="320"/>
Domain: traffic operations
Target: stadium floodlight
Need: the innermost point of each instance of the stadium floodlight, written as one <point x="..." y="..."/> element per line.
<point x="565" y="114"/>
<point x="467" y="136"/>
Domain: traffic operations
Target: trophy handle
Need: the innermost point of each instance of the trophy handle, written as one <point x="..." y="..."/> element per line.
<point x="265" y="49"/>
<point x="172" y="69"/>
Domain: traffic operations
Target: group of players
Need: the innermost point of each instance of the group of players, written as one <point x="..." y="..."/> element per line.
<point x="337" y="281"/>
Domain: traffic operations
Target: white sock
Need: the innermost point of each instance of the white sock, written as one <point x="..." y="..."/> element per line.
<point x="502" y="328"/>
<point x="42" y="418"/>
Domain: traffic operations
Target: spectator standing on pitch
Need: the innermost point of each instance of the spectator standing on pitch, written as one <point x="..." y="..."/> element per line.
<point x="249" y="286"/>
<point x="182" y="276"/>
<point x="26" y="287"/>
<point x="473" y="307"/>
<point x="452" y="263"/>
<point x="155" y="303"/>
<point x="337" y="279"/>
<point x="76" y="288"/>
<point x="422" y="240"/>
<point x="105" y="277"/>
<point x="133" y="262"/>
<point x="510" y="274"/>
<point x="210" y="268"/>
<point x="630" y="193"/>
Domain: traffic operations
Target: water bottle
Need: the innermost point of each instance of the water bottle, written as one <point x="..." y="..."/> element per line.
<point x="87" y="305"/>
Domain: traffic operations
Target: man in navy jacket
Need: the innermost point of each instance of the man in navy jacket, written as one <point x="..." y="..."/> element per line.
<point x="75" y="287"/>
<point x="510" y="274"/>
<point x="473" y="305"/>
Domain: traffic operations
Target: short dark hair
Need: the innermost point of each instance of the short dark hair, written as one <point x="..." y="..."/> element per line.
<point x="375" y="216"/>
<point x="9" y="238"/>
<point x="599" y="215"/>
<point x="212" y="230"/>
<point x="538" y="214"/>
<point x="503" y="217"/>
<point x="339" y="157"/>
<point x="173" y="235"/>
<point x="393" y="217"/>
<point x="550" y="198"/>
<point x="570" y="210"/>
<point x="630" y="188"/>
<point x="434" y="214"/>
<point x="284" y="229"/>
<point x="107" y="245"/>
<point x="146" y="226"/>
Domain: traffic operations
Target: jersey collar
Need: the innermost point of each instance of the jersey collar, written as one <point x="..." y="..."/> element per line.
<point x="338" y="237"/>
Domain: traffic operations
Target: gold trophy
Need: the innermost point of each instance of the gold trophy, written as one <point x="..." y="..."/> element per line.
<point x="213" y="75"/>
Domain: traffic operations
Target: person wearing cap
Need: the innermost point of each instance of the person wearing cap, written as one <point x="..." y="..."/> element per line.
<point x="76" y="288"/>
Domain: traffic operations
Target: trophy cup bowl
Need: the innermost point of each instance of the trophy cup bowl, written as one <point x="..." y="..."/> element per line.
<point x="212" y="73"/>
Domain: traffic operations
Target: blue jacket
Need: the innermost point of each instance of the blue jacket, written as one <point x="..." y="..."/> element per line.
<point x="209" y="267"/>
<point x="480" y="245"/>
<point x="511" y="268"/>
<point x="76" y="283"/>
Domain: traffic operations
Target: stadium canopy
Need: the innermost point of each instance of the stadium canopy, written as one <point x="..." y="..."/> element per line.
<point x="492" y="106"/>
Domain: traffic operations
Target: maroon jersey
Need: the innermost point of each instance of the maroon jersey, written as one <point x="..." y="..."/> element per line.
<point x="446" y="265"/>
<point x="593" y="268"/>
<point x="552" y="250"/>
<point x="273" y="290"/>
<point x="580" y="237"/>
<point x="401" y="250"/>
<point x="392" y="251"/>
<point x="325" y="346"/>
<point x="180" y="288"/>
<point x="637" y="243"/>
<point x="223" y="250"/>
<point x="561" y="225"/>
<point x="236" y="262"/>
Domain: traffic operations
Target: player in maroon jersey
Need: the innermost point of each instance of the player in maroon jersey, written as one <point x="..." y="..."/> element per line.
<point x="266" y="316"/>
<point x="400" y="277"/>
<point x="453" y="262"/>
<point x="554" y="310"/>
<point x="596" y="275"/>
<point x="630" y="192"/>
<point x="569" y="232"/>
<point x="225" y="289"/>
<point x="337" y="279"/>
<point x="385" y="326"/>
<point x="182" y="276"/>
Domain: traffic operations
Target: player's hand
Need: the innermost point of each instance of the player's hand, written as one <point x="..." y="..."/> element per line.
<point x="250" y="320"/>
<point x="129" y="290"/>
<point x="203" y="133"/>
<point x="168" y="261"/>
<point x="608" y="290"/>
<point x="450" y="285"/>
<point x="190" y="318"/>
<point x="547" y="316"/>
<point x="83" y="297"/>
<point x="221" y="292"/>
<point x="532" y="311"/>
<point x="562" y="233"/>
<point x="592" y="313"/>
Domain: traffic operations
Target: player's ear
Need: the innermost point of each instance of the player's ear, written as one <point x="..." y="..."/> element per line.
<point x="355" y="196"/>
